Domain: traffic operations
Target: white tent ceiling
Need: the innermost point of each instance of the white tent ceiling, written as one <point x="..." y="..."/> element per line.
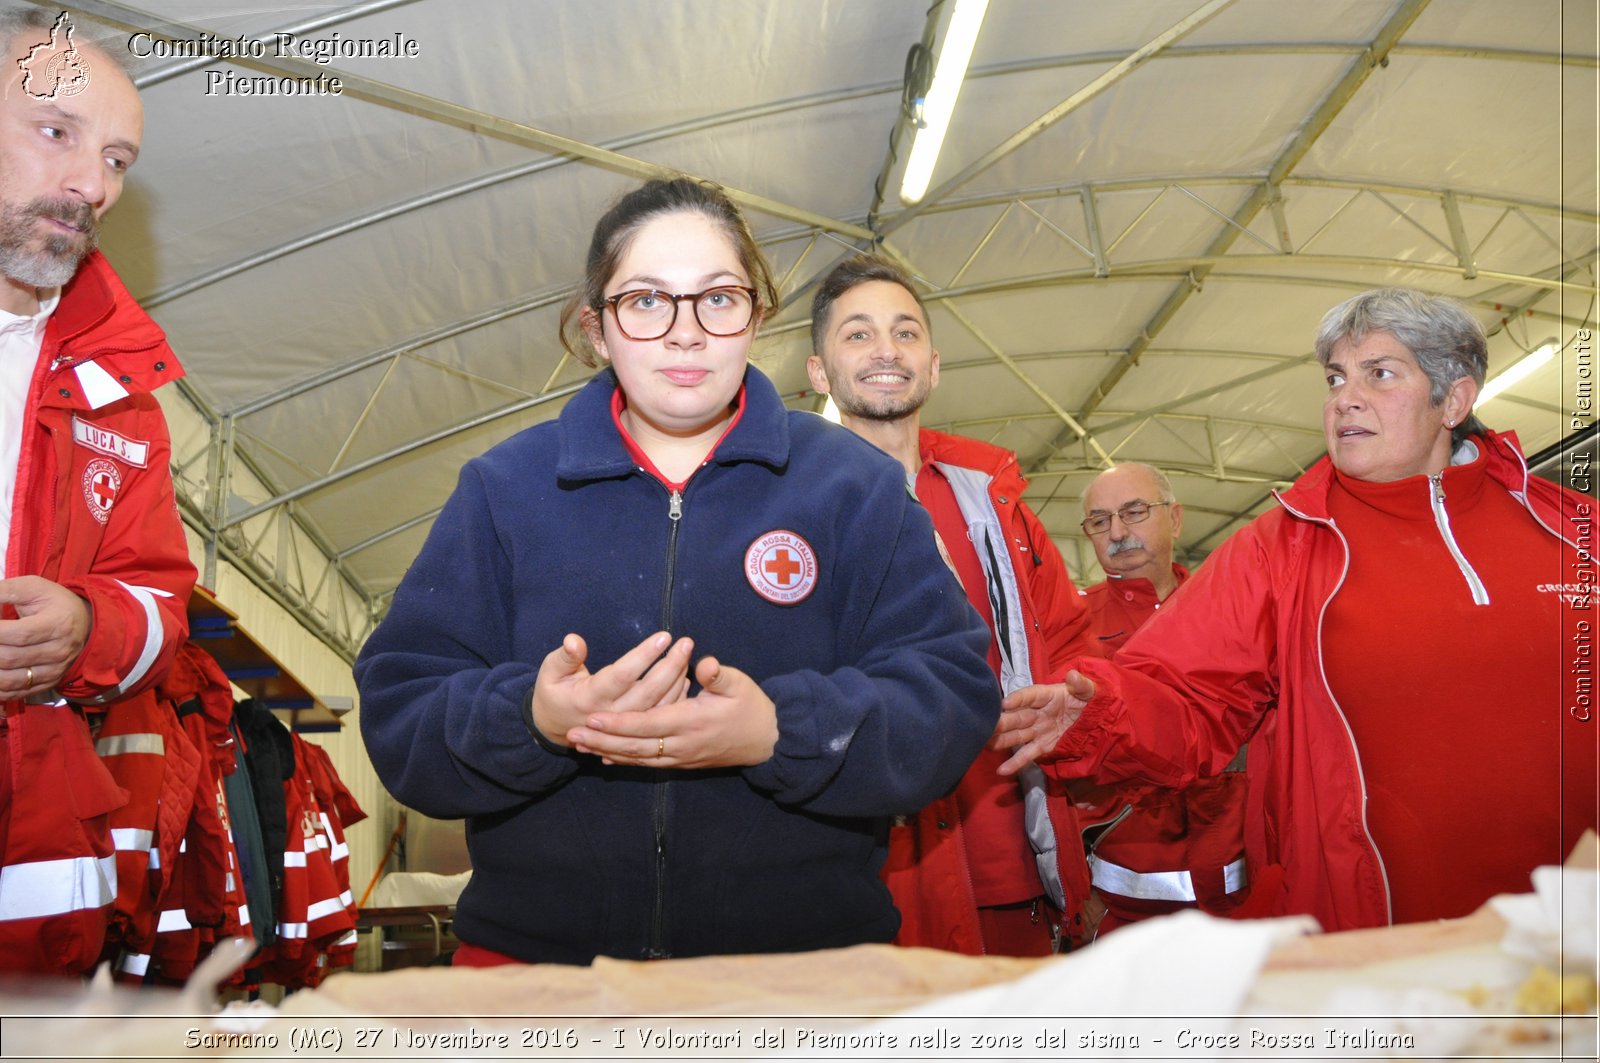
<point x="1142" y="211"/>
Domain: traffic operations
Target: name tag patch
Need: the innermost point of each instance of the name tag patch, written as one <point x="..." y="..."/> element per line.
<point x="132" y="451"/>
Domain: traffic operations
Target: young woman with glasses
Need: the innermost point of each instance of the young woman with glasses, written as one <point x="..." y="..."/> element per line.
<point x="678" y="656"/>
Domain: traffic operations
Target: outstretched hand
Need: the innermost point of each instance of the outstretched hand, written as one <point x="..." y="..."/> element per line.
<point x="1033" y="719"/>
<point x="566" y="693"/>
<point x="730" y="723"/>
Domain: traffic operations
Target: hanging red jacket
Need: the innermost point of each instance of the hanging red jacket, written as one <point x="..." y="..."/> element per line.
<point x="201" y="887"/>
<point x="145" y="749"/>
<point x="339" y="810"/>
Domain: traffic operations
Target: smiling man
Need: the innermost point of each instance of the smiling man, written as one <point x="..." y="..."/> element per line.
<point x="95" y="577"/>
<point x="967" y="873"/>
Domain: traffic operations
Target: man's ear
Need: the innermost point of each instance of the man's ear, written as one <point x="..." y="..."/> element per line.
<point x="818" y="377"/>
<point x="594" y="331"/>
<point x="1176" y="509"/>
<point x="933" y="372"/>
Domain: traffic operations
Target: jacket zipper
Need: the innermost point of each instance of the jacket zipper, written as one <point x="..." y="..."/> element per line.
<point x="1350" y="735"/>
<point x="659" y="810"/>
<point x="1480" y="594"/>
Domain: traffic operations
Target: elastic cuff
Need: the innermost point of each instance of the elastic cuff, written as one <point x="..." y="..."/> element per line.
<point x="538" y="735"/>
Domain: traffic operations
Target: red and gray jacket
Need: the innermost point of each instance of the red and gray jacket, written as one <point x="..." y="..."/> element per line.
<point x="1242" y="660"/>
<point x="94" y="511"/>
<point x="1039" y="621"/>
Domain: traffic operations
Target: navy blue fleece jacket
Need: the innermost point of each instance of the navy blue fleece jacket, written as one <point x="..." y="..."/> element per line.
<point x="882" y="690"/>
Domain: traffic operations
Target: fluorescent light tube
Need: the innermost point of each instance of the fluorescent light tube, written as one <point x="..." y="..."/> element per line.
<point x="1518" y="372"/>
<point x="954" y="55"/>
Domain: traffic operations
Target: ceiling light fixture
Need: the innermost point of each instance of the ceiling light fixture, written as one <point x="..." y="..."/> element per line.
<point x="951" y="70"/>
<point x="1518" y="372"/>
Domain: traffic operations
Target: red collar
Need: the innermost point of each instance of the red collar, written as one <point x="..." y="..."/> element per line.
<point x="619" y="402"/>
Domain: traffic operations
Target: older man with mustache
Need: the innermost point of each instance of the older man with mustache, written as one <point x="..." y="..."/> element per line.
<point x="95" y="575"/>
<point x="1155" y="851"/>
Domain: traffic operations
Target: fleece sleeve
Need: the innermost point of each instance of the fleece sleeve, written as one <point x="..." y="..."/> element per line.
<point x="898" y="724"/>
<point x="442" y="692"/>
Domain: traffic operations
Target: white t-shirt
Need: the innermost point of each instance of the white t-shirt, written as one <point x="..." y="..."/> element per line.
<point x="20" y="339"/>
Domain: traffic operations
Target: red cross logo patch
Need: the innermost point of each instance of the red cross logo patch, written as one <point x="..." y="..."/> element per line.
<point x="101" y="483"/>
<point x="781" y="567"/>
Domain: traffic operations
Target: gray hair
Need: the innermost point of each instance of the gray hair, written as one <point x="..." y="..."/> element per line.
<point x="1445" y="339"/>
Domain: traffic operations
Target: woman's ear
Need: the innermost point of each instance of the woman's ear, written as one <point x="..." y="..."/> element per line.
<point x="1458" y="400"/>
<point x="594" y="330"/>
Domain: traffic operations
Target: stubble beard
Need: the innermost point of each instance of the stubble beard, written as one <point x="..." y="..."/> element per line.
<point x="53" y="260"/>
<point x="853" y="405"/>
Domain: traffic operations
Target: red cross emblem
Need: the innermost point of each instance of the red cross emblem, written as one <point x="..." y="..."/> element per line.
<point x="102" y="482"/>
<point x="781" y="567"/>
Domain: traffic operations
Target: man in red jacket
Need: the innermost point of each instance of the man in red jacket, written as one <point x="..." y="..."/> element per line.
<point x="967" y="873"/>
<point x="1160" y="850"/>
<point x="95" y="576"/>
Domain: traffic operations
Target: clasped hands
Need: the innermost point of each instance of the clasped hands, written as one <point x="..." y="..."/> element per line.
<point x="635" y="711"/>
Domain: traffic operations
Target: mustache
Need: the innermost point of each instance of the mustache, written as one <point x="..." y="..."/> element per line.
<point x="75" y="213"/>
<point x="1123" y="545"/>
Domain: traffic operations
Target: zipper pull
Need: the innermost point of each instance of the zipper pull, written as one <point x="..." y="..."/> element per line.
<point x="1437" y="480"/>
<point x="675" y="506"/>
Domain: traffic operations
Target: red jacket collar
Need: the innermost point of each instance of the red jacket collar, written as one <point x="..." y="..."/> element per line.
<point x="1308" y="496"/>
<point x="998" y="462"/>
<point x="97" y="320"/>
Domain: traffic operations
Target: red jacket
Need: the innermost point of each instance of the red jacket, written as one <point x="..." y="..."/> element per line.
<point x="1164" y="849"/>
<point x="94" y="511"/>
<point x="1241" y="659"/>
<point x="929" y="857"/>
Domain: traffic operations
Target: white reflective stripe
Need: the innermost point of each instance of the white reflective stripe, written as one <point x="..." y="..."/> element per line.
<point x="1175" y="886"/>
<point x="346" y="900"/>
<point x="55" y="887"/>
<point x="136" y="963"/>
<point x="293" y="931"/>
<point x="172" y="921"/>
<point x="229" y="882"/>
<point x="337" y="850"/>
<point x="100" y="388"/>
<point x="349" y="939"/>
<point x="153" y="632"/>
<point x="132" y="839"/>
<point x="294" y="859"/>
<point x="155" y="858"/>
<point x="1235" y="877"/>
<point x="1141" y="885"/>
<point x="183" y="846"/>
<point x="323" y="909"/>
<point x="244" y="915"/>
<point x="116" y="745"/>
